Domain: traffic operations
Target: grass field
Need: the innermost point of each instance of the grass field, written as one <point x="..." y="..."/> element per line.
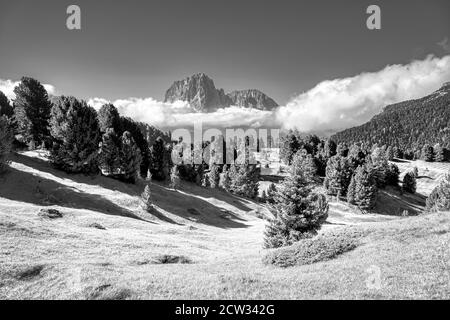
<point x="198" y="244"/>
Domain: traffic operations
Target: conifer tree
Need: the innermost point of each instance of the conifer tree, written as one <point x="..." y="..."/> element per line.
<point x="439" y="199"/>
<point x="271" y="192"/>
<point x="389" y="153"/>
<point x="427" y="153"/>
<point x="109" y="153"/>
<point x="32" y="112"/>
<point x="157" y="160"/>
<point x="351" y="191"/>
<point x="146" y="199"/>
<point x="298" y="212"/>
<point x="6" y="139"/>
<point x="175" y="178"/>
<point x="75" y="135"/>
<point x="108" y="117"/>
<point x="409" y="182"/>
<point x="130" y="158"/>
<point x="244" y="180"/>
<point x="364" y="190"/>
<point x="225" y="180"/>
<point x="214" y="176"/>
<point x="439" y="153"/>
<point x="132" y="127"/>
<point x="392" y="175"/>
<point x="338" y="175"/>
<point x="5" y="106"/>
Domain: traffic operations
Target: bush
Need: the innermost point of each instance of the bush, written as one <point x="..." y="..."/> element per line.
<point x="409" y="182"/>
<point x="321" y="248"/>
<point x="298" y="212"/>
<point x="6" y="140"/>
<point x="439" y="199"/>
<point x="75" y="135"/>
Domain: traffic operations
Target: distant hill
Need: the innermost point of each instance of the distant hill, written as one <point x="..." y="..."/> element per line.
<point x="408" y="124"/>
<point x="199" y="90"/>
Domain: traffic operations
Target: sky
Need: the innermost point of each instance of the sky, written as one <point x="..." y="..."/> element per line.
<point x="130" y="52"/>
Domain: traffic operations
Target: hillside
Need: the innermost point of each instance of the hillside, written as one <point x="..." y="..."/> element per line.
<point x="197" y="244"/>
<point x="408" y="124"/>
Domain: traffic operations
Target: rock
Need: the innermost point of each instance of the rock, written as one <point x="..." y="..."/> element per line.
<point x="50" y="213"/>
<point x="199" y="90"/>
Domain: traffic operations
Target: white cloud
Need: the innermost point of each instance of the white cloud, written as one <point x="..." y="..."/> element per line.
<point x="342" y="103"/>
<point x="331" y="105"/>
<point x="7" y="87"/>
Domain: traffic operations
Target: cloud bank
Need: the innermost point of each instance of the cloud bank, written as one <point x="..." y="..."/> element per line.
<point x="347" y="102"/>
<point x="330" y="106"/>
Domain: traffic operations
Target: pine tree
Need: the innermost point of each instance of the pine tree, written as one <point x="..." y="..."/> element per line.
<point x="392" y="175"/>
<point x="175" y="178"/>
<point x="298" y="212"/>
<point x="32" y="112"/>
<point x="5" y="107"/>
<point x="439" y="153"/>
<point x="146" y="199"/>
<point x="245" y="180"/>
<point x="108" y="117"/>
<point x="427" y="153"/>
<point x="364" y="191"/>
<point x="338" y="175"/>
<point x="109" y="154"/>
<point x="306" y="163"/>
<point x="6" y="139"/>
<point x="409" y="182"/>
<point x="389" y="153"/>
<point x="214" y="176"/>
<point x="225" y="180"/>
<point x="130" y="158"/>
<point x="75" y="135"/>
<point x="271" y="192"/>
<point x="351" y="191"/>
<point x="133" y="127"/>
<point x="157" y="159"/>
<point x="439" y="199"/>
<point x="381" y="165"/>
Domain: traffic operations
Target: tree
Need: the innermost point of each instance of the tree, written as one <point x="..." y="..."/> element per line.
<point x="130" y="158"/>
<point x="75" y="135"/>
<point x="225" y="180"/>
<point x="330" y="148"/>
<point x="439" y="153"/>
<point x="338" y="175"/>
<point x="271" y="192"/>
<point x="306" y="162"/>
<point x="108" y="117"/>
<point x="214" y="175"/>
<point x="289" y="146"/>
<point x="392" y="175"/>
<point x="363" y="188"/>
<point x="5" y="107"/>
<point x="439" y="199"/>
<point x="32" y="112"/>
<point x="427" y="153"/>
<point x="245" y="180"/>
<point x="409" y="182"/>
<point x="298" y="212"/>
<point x="157" y="159"/>
<point x="380" y="165"/>
<point x="389" y="153"/>
<point x="6" y="139"/>
<point x="175" y="178"/>
<point x="132" y="127"/>
<point x="264" y="196"/>
<point x="109" y="153"/>
<point x="146" y="199"/>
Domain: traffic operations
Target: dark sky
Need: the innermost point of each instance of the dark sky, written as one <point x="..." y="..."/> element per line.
<point x="138" y="48"/>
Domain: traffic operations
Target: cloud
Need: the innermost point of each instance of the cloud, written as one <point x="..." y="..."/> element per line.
<point x="330" y="106"/>
<point x="341" y="103"/>
<point x="444" y="44"/>
<point x="7" y="87"/>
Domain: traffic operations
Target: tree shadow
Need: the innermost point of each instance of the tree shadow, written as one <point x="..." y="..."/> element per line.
<point x="194" y="209"/>
<point x="394" y="203"/>
<point x="23" y="186"/>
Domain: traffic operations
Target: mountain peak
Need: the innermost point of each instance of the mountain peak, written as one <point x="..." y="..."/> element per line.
<point x="199" y="90"/>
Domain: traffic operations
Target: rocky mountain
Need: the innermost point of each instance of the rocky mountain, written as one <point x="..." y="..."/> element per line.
<point x="408" y="124"/>
<point x="199" y="90"/>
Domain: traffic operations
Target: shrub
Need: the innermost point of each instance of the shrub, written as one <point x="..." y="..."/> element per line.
<point x="439" y="199"/>
<point x="409" y="182"/>
<point x="6" y="140"/>
<point x="321" y="248"/>
<point x="298" y="212"/>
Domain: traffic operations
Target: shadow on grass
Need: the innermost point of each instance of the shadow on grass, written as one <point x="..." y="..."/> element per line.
<point x="25" y="187"/>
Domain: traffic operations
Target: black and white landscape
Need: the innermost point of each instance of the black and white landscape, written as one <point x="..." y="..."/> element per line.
<point x="224" y="150"/>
